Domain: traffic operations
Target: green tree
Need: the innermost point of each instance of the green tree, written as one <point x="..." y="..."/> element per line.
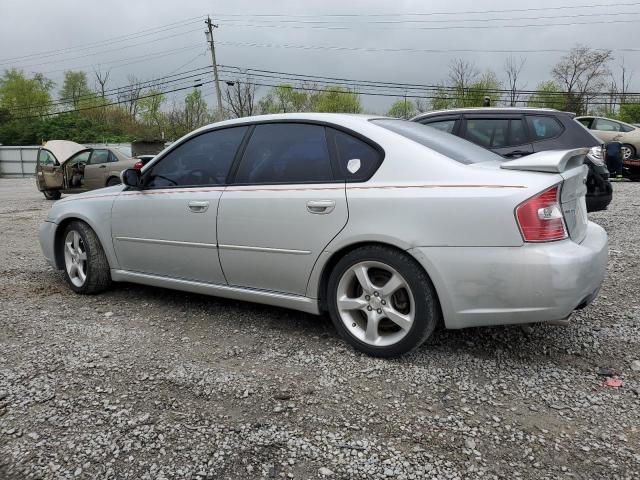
<point x="23" y="96"/>
<point x="75" y="90"/>
<point x="468" y="94"/>
<point x="402" y="109"/>
<point x="630" y="112"/>
<point x="285" y="98"/>
<point x="195" y="111"/>
<point x="337" y="100"/>
<point x="548" y="95"/>
<point x="150" y="112"/>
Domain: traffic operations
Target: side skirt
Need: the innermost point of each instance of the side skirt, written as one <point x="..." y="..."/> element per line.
<point x="295" y="302"/>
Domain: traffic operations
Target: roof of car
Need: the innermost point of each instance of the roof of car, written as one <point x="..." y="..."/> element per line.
<point x="485" y="110"/>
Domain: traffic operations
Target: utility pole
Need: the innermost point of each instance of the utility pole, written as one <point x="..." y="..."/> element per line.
<point x="212" y="47"/>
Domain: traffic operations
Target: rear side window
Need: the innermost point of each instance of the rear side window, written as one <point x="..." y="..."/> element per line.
<point x="488" y="132"/>
<point x="99" y="156"/>
<point x="357" y="160"/>
<point x="202" y="160"/>
<point x="444" y="125"/>
<point x="286" y="153"/>
<point x="543" y="127"/>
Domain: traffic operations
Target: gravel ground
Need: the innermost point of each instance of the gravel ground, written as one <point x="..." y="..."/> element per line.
<point x="146" y="383"/>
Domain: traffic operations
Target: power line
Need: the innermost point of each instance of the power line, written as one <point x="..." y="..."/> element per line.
<point x="410" y="50"/>
<point x="112" y="40"/>
<point x="92" y="54"/>
<point x="112" y="103"/>
<point x="471" y="12"/>
<point x="403" y="21"/>
<point x="448" y="27"/>
<point x="368" y="83"/>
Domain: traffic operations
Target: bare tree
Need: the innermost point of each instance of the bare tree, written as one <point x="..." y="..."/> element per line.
<point x="513" y="69"/>
<point x="462" y="73"/>
<point x="581" y="74"/>
<point x="240" y="97"/>
<point x="101" y="79"/>
<point x="130" y="95"/>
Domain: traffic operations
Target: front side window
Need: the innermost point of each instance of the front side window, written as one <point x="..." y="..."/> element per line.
<point x="46" y="158"/>
<point x="286" y="153"/>
<point x="443" y="125"/>
<point x="357" y="160"/>
<point x="202" y="160"/>
<point x="543" y="127"/>
<point x="99" y="156"/>
<point x="82" y="157"/>
<point x="488" y="132"/>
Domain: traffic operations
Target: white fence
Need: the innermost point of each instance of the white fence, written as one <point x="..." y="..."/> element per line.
<point x="18" y="161"/>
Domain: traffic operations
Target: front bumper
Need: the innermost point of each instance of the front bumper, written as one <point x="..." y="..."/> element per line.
<point x="508" y="285"/>
<point x="47" y="236"/>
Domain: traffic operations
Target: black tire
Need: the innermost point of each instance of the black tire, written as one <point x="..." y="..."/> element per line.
<point x="52" y="194"/>
<point x="98" y="273"/>
<point x="427" y="309"/>
<point x="631" y="148"/>
<point x="113" y="181"/>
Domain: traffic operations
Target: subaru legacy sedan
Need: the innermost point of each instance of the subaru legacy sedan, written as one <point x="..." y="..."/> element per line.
<point x="389" y="226"/>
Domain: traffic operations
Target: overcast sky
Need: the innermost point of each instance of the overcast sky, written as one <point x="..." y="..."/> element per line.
<point x="30" y="27"/>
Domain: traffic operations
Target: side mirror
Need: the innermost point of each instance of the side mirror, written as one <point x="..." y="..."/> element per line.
<point x="131" y="177"/>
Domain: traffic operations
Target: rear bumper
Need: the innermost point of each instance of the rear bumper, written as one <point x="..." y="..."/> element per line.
<point x="47" y="242"/>
<point x="509" y="285"/>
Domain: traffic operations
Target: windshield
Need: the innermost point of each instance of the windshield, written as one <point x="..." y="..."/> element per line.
<point x="449" y="145"/>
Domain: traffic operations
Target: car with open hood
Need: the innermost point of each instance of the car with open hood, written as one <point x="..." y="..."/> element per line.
<point x="69" y="167"/>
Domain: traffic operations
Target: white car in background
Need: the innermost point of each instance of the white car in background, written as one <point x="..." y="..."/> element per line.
<point x="390" y="226"/>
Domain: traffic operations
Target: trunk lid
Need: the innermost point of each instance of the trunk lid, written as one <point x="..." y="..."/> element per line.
<point x="569" y="164"/>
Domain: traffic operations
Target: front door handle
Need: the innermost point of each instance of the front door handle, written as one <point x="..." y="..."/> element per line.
<point x="102" y="166"/>
<point x="198" y="207"/>
<point x="321" y="207"/>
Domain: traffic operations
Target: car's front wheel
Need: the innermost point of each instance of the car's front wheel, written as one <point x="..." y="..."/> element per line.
<point x="85" y="264"/>
<point x="52" y="194"/>
<point x="381" y="301"/>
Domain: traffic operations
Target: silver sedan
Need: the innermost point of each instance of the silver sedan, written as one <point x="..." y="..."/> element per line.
<point x="389" y="226"/>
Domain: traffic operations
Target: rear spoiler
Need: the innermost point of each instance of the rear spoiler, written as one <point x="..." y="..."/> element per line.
<point x="551" y="161"/>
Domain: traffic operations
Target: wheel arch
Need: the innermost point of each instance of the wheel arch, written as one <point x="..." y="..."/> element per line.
<point x="111" y="177"/>
<point x="59" y="233"/>
<point x="330" y="261"/>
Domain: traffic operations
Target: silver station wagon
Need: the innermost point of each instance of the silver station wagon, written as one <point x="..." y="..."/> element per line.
<point x="390" y="226"/>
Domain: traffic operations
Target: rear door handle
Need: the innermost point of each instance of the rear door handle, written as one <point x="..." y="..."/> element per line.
<point x="321" y="207"/>
<point x="198" y="207"/>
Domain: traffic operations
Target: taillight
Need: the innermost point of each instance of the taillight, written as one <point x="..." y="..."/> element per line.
<point x="138" y="165"/>
<point x="540" y="218"/>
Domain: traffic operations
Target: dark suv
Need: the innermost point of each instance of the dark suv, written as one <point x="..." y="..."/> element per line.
<point x="516" y="132"/>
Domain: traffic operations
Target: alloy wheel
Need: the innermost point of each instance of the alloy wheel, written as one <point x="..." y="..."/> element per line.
<point x="75" y="258"/>
<point x="627" y="153"/>
<point x="375" y="303"/>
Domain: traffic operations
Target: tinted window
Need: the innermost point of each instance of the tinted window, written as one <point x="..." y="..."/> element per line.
<point x="444" y="143"/>
<point x="99" y="156"/>
<point x="488" y="132"/>
<point x="285" y="153"/>
<point x="201" y="160"/>
<point x="444" y="125"/>
<point x="46" y="158"/>
<point x="542" y="127"/>
<point x="357" y="160"/>
<point x="517" y="135"/>
<point x="586" y="122"/>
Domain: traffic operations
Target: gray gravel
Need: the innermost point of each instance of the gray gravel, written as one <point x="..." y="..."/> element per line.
<point x="145" y="383"/>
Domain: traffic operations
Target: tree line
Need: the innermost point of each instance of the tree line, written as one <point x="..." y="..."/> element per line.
<point x="583" y="81"/>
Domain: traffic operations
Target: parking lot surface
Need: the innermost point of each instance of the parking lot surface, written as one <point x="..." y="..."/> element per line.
<point x="146" y="383"/>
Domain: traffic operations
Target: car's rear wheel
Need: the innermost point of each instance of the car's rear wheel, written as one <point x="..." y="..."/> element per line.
<point x="381" y="301"/>
<point x="85" y="265"/>
<point x="628" y="152"/>
<point x="113" y="181"/>
<point x="52" y="194"/>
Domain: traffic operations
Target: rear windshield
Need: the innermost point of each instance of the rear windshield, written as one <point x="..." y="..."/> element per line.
<point x="449" y="145"/>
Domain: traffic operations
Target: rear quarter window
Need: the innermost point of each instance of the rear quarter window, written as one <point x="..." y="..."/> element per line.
<point x="543" y="127"/>
<point x="357" y="160"/>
